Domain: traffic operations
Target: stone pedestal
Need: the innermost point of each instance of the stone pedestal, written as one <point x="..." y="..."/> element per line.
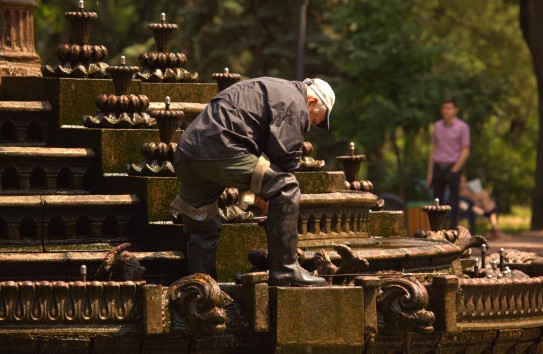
<point x="18" y="55"/>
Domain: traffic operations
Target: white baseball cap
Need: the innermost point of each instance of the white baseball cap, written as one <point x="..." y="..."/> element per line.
<point x="327" y="96"/>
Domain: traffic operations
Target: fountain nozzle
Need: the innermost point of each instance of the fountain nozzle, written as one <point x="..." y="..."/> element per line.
<point x="83" y="271"/>
<point x="167" y="103"/>
<point x="436" y="202"/>
<point x="123" y="60"/>
<point x="81" y="5"/>
<point x="351" y="148"/>
<point x="163" y="18"/>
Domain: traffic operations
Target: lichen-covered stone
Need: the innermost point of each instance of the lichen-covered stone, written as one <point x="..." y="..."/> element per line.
<point x="313" y="319"/>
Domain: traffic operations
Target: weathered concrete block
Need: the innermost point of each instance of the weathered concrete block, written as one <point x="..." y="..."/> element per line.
<point x="321" y="181"/>
<point x="254" y="299"/>
<point x="118" y="344"/>
<point x="65" y="345"/>
<point x="386" y="223"/>
<point x="22" y="344"/>
<point x="152" y="309"/>
<point x="318" y="320"/>
<point x="237" y="240"/>
<point x="165" y="345"/>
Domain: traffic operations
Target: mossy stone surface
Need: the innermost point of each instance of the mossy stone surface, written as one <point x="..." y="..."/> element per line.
<point x="318" y="320"/>
<point x="386" y="223"/>
<point x="237" y="240"/>
<point x="73" y="98"/>
<point x="320" y="181"/>
<point x="181" y="92"/>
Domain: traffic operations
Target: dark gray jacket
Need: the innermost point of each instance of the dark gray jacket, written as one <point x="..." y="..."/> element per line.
<point x="264" y="115"/>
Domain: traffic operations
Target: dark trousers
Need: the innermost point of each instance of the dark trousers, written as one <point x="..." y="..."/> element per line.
<point x="442" y="178"/>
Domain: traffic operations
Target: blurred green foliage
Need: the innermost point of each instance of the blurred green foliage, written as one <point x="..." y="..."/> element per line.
<point x="390" y="63"/>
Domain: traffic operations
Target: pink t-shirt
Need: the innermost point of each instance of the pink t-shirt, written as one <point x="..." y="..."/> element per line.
<point x="449" y="139"/>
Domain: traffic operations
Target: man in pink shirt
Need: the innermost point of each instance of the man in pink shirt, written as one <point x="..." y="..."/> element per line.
<point x="449" y="153"/>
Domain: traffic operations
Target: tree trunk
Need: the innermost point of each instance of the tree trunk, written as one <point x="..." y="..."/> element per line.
<point x="531" y="22"/>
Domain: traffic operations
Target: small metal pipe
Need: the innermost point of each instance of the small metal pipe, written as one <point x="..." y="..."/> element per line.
<point x="83" y="271"/>
<point x="476" y="268"/>
<point x="483" y="256"/>
<point x="502" y="260"/>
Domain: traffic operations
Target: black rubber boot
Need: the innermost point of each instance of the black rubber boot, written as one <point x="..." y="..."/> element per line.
<point x="202" y="244"/>
<point x="283" y="194"/>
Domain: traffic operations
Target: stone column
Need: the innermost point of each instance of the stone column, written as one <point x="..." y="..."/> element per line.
<point x="18" y="55"/>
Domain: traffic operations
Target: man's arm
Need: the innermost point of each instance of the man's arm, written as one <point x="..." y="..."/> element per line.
<point x="464" y="154"/>
<point x="430" y="170"/>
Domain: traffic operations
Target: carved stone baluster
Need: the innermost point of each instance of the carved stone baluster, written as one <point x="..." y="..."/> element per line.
<point x="508" y="294"/>
<point x="24" y="301"/>
<point x="336" y="222"/>
<point x="57" y="307"/>
<point x="353" y="225"/>
<point x="538" y="298"/>
<point x="103" y="310"/>
<point x="44" y="291"/>
<point x="111" y="297"/>
<point x="302" y="222"/>
<point x="468" y="303"/>
<point x="497" y="301"/>
<point x="4" y="310"/>
<point x="10" y="290"/>
<point x="78" y="297"/>
<point x="346" y="220"/>
<point x="515" y="300"/>
<point x="92" y="301"/>
<point x="128" y="292"/>
<point x="479" y="301"/>
<point x="487" y="299"/>
<point x="118" y="313"/>
<point x="317" y="223"/>
<point x="528" y="301"/>
<point x="327" y="214"/>
<point x="35" y="311"/>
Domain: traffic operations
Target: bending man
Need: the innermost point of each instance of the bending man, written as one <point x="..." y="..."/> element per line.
<point x="250" y="137"/>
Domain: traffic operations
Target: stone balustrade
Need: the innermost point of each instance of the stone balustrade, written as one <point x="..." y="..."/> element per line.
<point x="485" y="303"/>
<point x="339" y="214"/>
<point x="70" y="303"/>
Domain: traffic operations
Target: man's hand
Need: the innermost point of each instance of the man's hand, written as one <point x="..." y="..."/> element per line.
<point x="261" y="204"/>
<point x="429" y="178"/>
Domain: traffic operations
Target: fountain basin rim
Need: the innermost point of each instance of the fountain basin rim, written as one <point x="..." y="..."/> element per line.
<point x="388" y="248"/>
<point x="338" y="199"/>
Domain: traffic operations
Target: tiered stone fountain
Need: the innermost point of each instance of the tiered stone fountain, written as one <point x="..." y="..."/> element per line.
<point x="120" y="110"/>
<point x="78" y="58"/>
<point x="159" y="156"/>
<point x="163" y="65"/>
<point x="400" y="295"/>
<point x="226" y="79"/>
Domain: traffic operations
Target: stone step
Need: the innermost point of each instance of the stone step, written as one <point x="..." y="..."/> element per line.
<point x="161" y="267"/>
<point x="45" y="220"/>
<point x="43" y="168"/>
<point x="24" y="121"/>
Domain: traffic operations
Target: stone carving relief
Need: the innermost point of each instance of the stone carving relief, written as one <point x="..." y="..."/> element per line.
<point x="402" y="304"/>
<point x="120" y="265"/>
<point x="64" y="303"/>
<point x="199" y="304"/>
<point x="460" y="237"/>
